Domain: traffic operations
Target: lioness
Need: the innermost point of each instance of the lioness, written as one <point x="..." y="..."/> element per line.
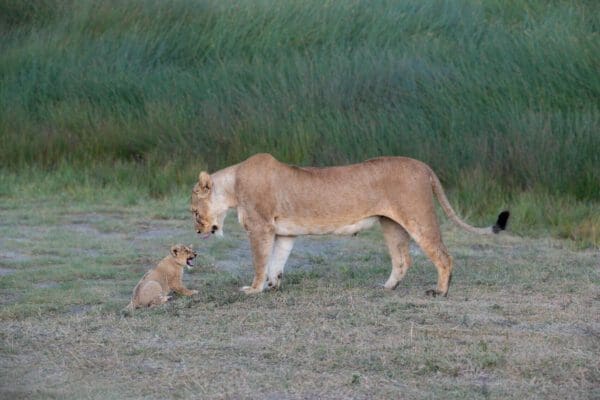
<point x="276" y="202"/>
<point x="155" y="285"/>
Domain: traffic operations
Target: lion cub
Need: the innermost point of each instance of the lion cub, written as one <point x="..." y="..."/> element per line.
<point x="156" y="284"/>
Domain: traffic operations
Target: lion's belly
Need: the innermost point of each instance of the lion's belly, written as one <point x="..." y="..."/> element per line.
<point x="289" y="227"/>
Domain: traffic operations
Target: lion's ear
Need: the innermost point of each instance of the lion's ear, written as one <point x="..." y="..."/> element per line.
<point x="174" y="250"/>
<point x="204" y="183"/>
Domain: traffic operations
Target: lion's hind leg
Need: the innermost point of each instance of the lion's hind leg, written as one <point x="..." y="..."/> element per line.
<point x="397" y="240"/>
<point x="158" y="300"/>
<point x="432" y="245"/>
<point x="443" y="263"/>
<point x="151" y="294"/>
<point x="422" y="225"/>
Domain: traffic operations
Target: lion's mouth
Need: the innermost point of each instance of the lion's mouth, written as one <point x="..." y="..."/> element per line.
<point x="190" y="262"/>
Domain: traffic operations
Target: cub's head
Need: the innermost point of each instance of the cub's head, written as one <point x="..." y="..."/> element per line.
<point x="207" y="207"/>
<point x="183" y="255"/>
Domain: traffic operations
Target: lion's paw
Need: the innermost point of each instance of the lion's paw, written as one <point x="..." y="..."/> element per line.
<point x="250" y="290"/>
<point x="391" y="285"/>
<point x="435" y="293"/>
<point x="273" y="284"/>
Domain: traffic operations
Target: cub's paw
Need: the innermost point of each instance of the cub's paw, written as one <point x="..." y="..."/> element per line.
<point x="164" y="299"/>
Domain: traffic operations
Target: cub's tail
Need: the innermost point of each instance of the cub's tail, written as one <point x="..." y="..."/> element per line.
<point x="499" y="226"/>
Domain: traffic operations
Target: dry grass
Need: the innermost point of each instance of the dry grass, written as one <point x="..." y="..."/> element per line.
<point x="522" y="319"/>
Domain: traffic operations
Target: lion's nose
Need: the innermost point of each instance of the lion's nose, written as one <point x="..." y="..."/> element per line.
<point x="198" y="231"/>
<point x="214" y="228"/>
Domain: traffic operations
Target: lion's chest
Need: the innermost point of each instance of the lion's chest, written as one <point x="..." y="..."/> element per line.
<point x="290" y="227"/>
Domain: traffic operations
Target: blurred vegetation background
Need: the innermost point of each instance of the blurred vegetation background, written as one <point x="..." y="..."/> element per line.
<point x="500" y="97"/>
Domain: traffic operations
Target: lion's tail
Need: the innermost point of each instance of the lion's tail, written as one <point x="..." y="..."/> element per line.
<point x="499" y="226"/>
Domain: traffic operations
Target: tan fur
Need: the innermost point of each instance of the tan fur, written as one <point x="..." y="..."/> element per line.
<point x="156" y="284"/>
<point x="276" y="202"/>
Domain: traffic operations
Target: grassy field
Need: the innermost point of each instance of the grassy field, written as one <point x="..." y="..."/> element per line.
<point x="108" y="111"/>
<point x="500" y="95"/>
<point x="522" y="319"/>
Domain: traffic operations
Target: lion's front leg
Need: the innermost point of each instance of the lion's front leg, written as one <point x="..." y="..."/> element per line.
<point x="281" y="251"/>
<point x="261" y="244"/>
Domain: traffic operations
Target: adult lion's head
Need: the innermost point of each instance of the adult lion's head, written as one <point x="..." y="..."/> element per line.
<point x="207" y="207"/>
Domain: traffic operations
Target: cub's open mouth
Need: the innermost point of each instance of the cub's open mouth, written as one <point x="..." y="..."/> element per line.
<point x="190" y="262"/>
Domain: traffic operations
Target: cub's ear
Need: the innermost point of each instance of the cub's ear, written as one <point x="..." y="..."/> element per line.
<point x="204" y="184"/>
<point x="174" y="250"/>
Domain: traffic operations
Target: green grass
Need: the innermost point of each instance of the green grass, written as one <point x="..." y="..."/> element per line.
<point x="142" y="95"/>
<point x="511" y="88"/>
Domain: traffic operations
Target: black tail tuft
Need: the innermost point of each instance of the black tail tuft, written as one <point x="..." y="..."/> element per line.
<point x="501" y="222"/>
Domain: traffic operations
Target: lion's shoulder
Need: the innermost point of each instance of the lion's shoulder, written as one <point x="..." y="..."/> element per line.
<point x="260" y="167"/>
<point x="261" y="158"/>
